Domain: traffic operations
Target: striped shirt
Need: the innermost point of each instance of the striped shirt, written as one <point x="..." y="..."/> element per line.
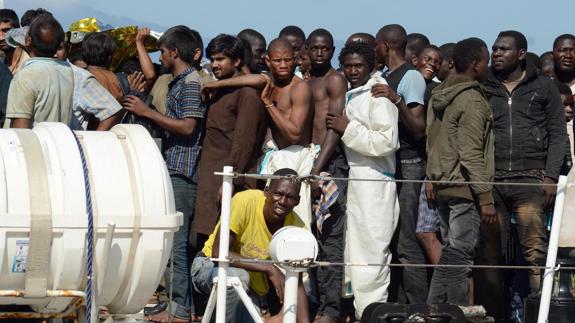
<point x="183" y="101"/>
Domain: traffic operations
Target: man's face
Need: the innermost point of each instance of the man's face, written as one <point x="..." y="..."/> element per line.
<point x="281" y="62"/>
<point x="564" y="55"/>
<point x="258" y="51"/>
<point x="320" y="51"/>
<point x="296" y="43"/>
<point x="4" y="28"/>
<point x="380" y="50"/>
<point x="356" y="70"/>
<point x="281" y="197"/>
<point x="223" y="67"/>
<point x="505" y="55"/>
<point x="429" y="63"/>
<point x="166" y="58"/>
<point x="548" y="69"/>
<point x="482" y="67"/>
<point x="304" y="61"/>
<point x="446" y="66"/>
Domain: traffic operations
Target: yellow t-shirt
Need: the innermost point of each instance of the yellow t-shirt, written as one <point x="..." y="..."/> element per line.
<point x="252" y="234"/>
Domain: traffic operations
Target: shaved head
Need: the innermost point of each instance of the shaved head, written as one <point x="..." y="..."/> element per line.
<point x="279" y="43"/>
<point x="394" y="35"/>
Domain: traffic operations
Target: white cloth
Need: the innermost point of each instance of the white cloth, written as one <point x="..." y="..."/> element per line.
<point x="370" y="142"/>
<point x="301" y="160"/>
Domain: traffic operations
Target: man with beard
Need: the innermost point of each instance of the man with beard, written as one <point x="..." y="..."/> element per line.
<point x="564" y="57"/>
<point x="288" y="103"/>
<point x="13" y="57"/>
<point x="328" y="88"/>
<point x="530" y="137"/>
<point x="235" y="131"/>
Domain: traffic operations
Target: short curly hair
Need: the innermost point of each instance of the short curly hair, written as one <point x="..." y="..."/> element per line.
<point x="360" y="48"/>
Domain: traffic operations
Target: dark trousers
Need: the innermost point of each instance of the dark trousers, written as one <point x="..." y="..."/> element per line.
<point x="459" y="220"/>
<point x="331" y="243"/>
<point x="414" y="281"/>
<point x="185" y="198"/>
<point x="525" y="204"/>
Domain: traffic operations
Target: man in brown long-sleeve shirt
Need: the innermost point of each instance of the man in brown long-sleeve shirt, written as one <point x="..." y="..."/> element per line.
<point x="235" y="130"/>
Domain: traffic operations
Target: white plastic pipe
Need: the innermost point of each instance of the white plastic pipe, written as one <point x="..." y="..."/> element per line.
<point x="290" y="296"/>
<point x="224" y="244"/>
<point x="552" y="251"/>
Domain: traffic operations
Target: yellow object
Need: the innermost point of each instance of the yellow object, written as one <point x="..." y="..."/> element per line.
<point x="86" y="25"/>
<point x="253" y="237"/>
<point x="125" y="38"/>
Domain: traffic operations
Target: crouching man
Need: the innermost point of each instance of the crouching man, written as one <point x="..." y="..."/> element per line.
<point x="255" y="217"/>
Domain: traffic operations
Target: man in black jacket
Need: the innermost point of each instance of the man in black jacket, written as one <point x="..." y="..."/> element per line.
<point x="529" y="130"/>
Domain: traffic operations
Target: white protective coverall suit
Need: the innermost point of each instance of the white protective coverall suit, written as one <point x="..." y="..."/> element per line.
<point x="370" y="142"/>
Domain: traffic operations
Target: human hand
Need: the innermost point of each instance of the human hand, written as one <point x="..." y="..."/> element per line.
<point x="278" y="280"/>
<point x="430" y="194"/>
<point x="488" y="214"/>
<point x="137" y="82"/>
<point x="337" y="123"/>
<point x="142" y="34"/>
<point x="133" y="104"/>
<point x="267" y="92"/>
<point x="383" y="90"/>
<point x="549" y="191"/>
<point x="208" y="90"/>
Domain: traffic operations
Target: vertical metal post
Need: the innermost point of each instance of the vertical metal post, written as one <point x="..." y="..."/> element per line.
<point x="290" y="296"/>
<point x="547" y="287"/>
<point x="224" y="244"/>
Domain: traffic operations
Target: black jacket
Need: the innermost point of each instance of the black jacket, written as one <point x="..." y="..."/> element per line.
<point x="528" y="124"/>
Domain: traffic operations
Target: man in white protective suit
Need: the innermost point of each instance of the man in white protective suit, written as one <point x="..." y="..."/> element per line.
<point x="370" y="137"/>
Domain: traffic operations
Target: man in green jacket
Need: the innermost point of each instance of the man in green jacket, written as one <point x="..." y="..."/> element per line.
<point x="460" y="149"/>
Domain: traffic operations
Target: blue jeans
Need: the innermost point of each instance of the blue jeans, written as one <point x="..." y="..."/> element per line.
<point x="203" y="273"/>
<point x="185" y="198"/>
<point x="459" y="222"/>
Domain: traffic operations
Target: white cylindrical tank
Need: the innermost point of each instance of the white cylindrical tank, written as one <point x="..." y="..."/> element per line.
<point x="130" y="187"/>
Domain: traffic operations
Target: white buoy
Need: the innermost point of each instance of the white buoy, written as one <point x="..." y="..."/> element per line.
<point x="134" y="216"/>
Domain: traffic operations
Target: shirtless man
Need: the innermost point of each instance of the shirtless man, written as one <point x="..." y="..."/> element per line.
<point x="288" y="99"/>
<point x="289" y="106"/>
<point x="328" y="88"/>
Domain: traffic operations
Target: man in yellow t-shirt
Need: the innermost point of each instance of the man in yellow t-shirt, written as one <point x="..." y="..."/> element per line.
<point x="255" y="217"/>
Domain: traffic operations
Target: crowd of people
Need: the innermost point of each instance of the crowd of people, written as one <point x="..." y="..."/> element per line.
<point x="396" y="107"/>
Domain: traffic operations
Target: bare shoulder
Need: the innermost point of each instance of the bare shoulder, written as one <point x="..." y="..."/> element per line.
<point x="301" y="86"/>
<point x="336" y="82"/>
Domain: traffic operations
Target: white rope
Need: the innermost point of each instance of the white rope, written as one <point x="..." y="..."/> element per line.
<point x="312" y="178"/>
<point x="309" y="263"/>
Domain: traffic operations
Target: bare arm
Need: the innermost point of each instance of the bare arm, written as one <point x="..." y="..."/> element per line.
<point x="108" y="123"/>
<point x="20" y="123"/>
<point x="274" y="274"/>
<point x="182" y="127"/>
<point x="336" y="88"/>
<point x="143" y="57"/>
<point x="256" y="81"/>
<point x="412" y="116"/>
<point x="291" y="127"/>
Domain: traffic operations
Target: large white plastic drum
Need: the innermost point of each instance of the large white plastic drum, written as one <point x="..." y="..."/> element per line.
<point x="130" y="187"/>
